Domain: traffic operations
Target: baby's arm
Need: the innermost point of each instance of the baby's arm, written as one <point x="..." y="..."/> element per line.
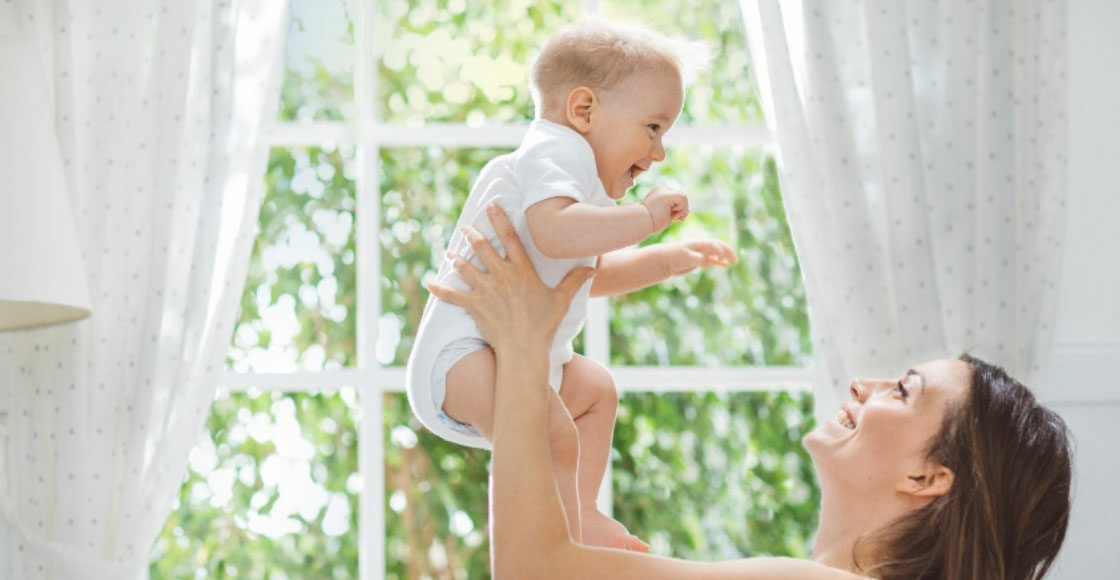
<point x="632" y="269"/>
<point x="564" y="228"/>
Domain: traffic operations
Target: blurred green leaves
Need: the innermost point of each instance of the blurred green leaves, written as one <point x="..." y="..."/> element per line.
<point x="297" y="310"/>
<point x="752" y="313"/>
<point x="319" y="57"/>
<point x="460" y="61"/>
<point x="716" y="475"/>
<point x="436" y="518"/>
<point x="271" y="492"/>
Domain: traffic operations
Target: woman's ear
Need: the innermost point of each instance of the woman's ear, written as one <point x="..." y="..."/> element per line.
<point x="582" y="101"/>
<point x="935" y="481"/>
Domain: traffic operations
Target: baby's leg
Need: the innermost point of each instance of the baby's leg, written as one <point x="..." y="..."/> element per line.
<point x="470" y="399"/>
<point x="589" y="393"/>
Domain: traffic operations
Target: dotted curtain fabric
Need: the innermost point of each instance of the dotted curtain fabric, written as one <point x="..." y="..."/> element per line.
<point x="923" y="154"/>
<point x="159" y="108"/>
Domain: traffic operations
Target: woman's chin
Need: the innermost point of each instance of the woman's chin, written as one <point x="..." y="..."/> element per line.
<point x="824" y="436"/>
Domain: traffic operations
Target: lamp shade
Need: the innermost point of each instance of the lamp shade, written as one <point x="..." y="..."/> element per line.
<point x="42" y="279"/>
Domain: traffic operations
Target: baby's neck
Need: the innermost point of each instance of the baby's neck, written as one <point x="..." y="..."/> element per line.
<point x="556" y="117"/>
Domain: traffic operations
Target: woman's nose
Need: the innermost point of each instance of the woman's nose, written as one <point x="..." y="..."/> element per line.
<point x="857" y="389"/>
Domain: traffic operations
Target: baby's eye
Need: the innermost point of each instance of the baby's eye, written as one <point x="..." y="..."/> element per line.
<point x="654" y="127"/>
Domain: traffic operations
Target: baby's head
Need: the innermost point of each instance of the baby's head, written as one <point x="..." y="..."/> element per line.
<point x="621" y="87"/>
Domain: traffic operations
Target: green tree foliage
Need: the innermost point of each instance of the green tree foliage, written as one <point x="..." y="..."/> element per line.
<point x="273" y="486"/>
<point x="271" y="492"/>
<point x="716" y="475"/>
<point x="750" y="314"/>
<point x="455" y="60"/>
<point x="436" y="522"/>
<point x="297" y="310"/>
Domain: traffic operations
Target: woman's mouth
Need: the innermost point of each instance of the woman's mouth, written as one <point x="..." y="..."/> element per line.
<point x="845" y="419"/>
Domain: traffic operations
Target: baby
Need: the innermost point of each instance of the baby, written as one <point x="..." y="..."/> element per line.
<point x="605" y="96"/>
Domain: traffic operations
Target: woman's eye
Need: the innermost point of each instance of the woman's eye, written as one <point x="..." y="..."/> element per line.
<point x="902" y="390"/>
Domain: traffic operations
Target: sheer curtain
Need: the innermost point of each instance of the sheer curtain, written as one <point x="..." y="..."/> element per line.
<point x="159" y="108"/>
<point x="923" y="156"/>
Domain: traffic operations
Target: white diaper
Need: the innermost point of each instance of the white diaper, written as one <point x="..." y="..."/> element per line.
<point x="427" y="388"/>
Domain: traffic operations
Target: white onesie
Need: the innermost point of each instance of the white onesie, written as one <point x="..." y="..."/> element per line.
<point x="552" y="161"/>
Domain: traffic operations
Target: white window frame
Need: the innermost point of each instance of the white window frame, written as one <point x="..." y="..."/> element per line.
<point x="370" y="378"/>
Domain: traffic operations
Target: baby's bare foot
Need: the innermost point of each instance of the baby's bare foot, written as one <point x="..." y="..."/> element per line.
<point x="600" y="530"/>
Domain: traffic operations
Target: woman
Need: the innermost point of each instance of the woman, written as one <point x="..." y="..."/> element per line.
<point x="951" y="472"/>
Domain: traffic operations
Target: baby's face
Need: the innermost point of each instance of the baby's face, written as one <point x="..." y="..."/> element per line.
<point x="627" y="127"/>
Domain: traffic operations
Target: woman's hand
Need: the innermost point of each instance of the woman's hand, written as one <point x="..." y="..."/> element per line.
<point x="513" y="308"/>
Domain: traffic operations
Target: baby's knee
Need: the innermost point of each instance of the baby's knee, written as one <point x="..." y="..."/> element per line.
<point x="605" y="393"/>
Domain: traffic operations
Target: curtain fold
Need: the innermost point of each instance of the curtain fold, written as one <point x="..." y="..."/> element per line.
<point x="159" y="108"/>
<point x="922" y="150"/>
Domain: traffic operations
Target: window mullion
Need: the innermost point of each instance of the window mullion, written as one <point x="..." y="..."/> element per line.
<point x="371" y="442"/>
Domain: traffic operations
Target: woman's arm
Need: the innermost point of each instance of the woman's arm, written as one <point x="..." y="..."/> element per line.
<point x="518" y="315"/>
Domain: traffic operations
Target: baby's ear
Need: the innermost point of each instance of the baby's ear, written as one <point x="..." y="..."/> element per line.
<point x="581" y="103"/>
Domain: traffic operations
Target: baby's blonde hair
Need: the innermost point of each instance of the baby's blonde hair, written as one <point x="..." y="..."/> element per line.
<point x="599" y="55"/>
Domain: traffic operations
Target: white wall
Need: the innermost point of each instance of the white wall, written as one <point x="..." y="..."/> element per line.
<point x="1083" y="383"/>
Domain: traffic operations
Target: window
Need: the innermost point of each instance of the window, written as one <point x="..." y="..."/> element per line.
<point x="312" y="465"/>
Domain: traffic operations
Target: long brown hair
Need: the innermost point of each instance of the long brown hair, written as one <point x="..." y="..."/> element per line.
<point x="1006" y="514"/>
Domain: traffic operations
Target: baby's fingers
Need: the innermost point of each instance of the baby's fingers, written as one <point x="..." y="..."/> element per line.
<point x="727" y="253"/>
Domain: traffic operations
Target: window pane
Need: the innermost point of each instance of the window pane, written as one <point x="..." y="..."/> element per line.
<point x="297" y="310"/>
<point x="271" y="492"/>
<point x="714" y="476"/>
<point x="319" y="62"/>
<point x="453" y="60"/>
<point x="435" y="494"/>
<point x="753" y="313"/>
<point x="423" y="191"/>
<point x="724" y="94"/>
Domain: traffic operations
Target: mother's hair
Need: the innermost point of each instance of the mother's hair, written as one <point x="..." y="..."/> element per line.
<point x="1006" y="514"/>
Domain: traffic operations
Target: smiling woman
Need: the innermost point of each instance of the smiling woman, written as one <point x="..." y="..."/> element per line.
<point x="1002" y="490"/>
<point x="952" y="471"/>
<point x="877" y="435"/>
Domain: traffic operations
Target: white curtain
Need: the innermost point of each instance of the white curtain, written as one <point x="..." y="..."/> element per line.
<point x="923" y="154"/>
<point x="159" y="108"/>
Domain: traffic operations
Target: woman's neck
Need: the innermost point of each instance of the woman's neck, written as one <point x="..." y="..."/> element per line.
<point x="845" y="520"/>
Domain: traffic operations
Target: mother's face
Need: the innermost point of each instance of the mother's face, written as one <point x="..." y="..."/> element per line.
<point x="879" y="438"/>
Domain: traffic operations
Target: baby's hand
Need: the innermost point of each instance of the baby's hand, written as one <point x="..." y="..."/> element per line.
<point x="665" y="205"/>
<point x="693" y="254"/>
